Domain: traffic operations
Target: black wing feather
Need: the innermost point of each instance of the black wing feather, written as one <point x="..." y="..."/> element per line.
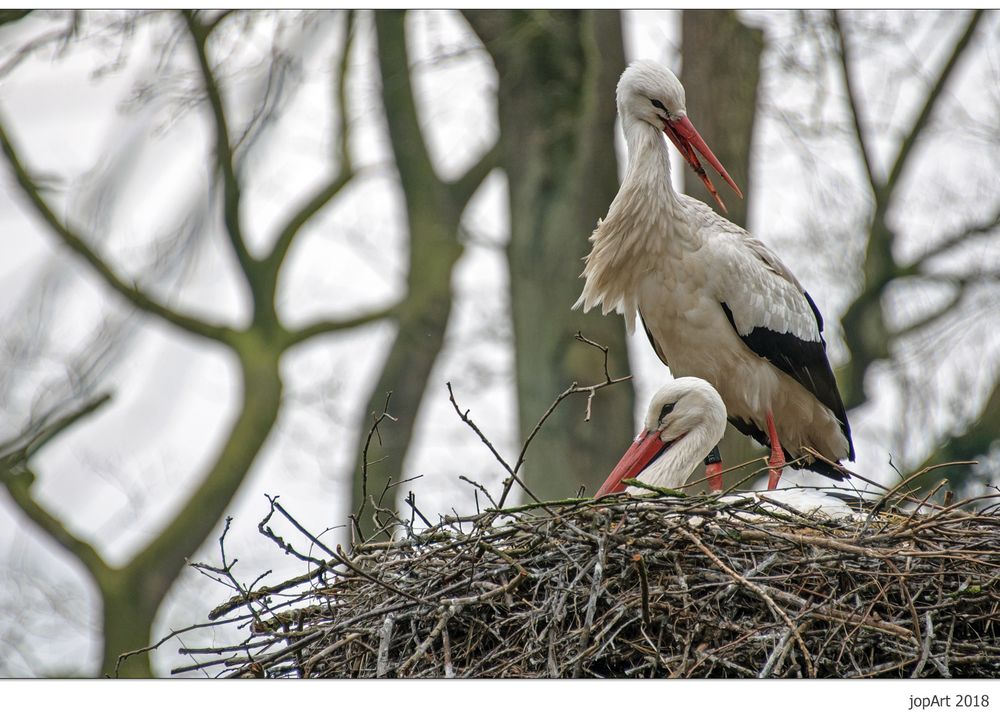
<point x="652" y="341"/>
<point x="805" y="361"/>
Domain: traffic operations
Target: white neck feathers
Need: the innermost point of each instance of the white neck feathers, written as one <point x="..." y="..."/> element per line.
<point x="628" y="242"/>
<point x="679" y="461"/>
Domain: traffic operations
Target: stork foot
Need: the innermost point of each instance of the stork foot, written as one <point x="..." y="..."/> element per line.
<point x="777" y="459"/>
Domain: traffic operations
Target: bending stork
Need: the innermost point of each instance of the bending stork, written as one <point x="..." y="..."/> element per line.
<point x="684" y="421"/>
<point x="715" y="302"/>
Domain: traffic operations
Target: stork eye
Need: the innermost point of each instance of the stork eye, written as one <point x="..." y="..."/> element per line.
<point x="665" y="411"/>
<point x="658" y="105"/>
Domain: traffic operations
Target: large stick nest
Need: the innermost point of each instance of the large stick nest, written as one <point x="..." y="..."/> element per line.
<point x="671" y="586"/>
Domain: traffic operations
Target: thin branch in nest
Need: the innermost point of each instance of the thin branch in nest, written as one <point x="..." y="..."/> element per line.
<point x="573" y="388"/>
<point x="640" y="566"/>
<point x="479" y="489"/>
<point x="595" y="592"/>
<point x="372" y="432"/>
<point x="368" y="576"/>
<point x="312" y="538"/>
<point x="411" y="500"/>
<point x="422" y="648"/>
<point x="512" y="476"/>
<point x="264" y="529"/>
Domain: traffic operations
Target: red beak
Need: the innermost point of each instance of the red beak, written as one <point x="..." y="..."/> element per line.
<point x="686" y="138"/>
<point x="643" y="451"/>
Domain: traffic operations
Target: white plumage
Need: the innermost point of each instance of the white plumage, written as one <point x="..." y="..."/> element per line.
<point x="716" y="302"/>
<point x="807" y="502"/>
<point x="684" y="421"/>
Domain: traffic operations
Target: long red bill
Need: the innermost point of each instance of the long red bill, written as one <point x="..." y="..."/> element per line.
<point x="646" y="447"/>
<point x="686" y="138"/>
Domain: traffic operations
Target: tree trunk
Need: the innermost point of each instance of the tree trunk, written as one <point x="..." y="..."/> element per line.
<point x="128" y="612"/>
<point x="131" y="595"/>
<point x="977" y="440"/>
<point x="433" y="211"/>
<point x="720" y="74"/>
<point x="557" y="75"/>
<point x="419" y="338"/>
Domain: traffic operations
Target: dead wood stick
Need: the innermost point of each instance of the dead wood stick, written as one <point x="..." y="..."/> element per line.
<point x="422" y="648"/>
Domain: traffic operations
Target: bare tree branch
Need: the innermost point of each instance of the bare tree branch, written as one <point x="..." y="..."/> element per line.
<point x="955" y="240"/>
<point x="925" y="321"/>
<point x="56" y="37"/>
<point x="854" y="104"/>
<point x="18" y="479"/>
<point x="18" y="486"/>
<point x="930" y="103"/>
<point x="71" y="240"/>
<point x="327" y="326"/>
<point x="864" y="321"/>
<point x="223" y="150"/>
<point x="413" y="159"/>
<point x="7" y="16"/>
<point x="465" y="186"/>
<point x="22" y="448"/>
<point x="345" y="173"/>
<point x="212" y="24"/>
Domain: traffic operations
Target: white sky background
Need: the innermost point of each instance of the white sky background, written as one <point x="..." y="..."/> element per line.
<point x="116" y="478"/>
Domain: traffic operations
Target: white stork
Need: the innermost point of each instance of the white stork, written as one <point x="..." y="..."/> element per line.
<point x="685" y="420"/>
<point x="716" y="303"/>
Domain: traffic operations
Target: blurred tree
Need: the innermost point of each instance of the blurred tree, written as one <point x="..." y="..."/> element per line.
<point x="557" y="73"/>
<point x="870" y="333"/>
<point x="434" y="210"/>
<point x="131" y="594"/>
<point x="7" y="16"/>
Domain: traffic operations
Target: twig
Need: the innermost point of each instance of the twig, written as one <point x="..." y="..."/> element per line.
<point x="385" y="638"/>
<point x="411" y="500"/>
<point x="373" y="431"/>
<point x="925" y="649"/>
<point x="34" y="440"/>
<point x="640" y="565"/>
<point x="480" y="488"/>
<point x="573" y="388"/>
<point x="312" y="538"/>
<point x="512" y="476"/>
<point x="368" y="576"/>
<point x="448" y="613"/>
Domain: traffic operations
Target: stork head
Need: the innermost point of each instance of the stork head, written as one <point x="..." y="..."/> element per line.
<point x="686" y="409"/>
<point x="649" y="92"/>
<point x="682" y="405"/>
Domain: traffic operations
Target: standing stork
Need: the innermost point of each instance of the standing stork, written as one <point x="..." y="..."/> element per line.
<point x="715" y="302"/>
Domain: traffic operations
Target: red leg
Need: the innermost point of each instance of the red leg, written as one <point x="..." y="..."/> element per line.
<point x="713" y="474"/>
<point x="777" y="459"/>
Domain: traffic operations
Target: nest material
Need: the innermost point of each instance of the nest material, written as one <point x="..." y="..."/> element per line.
<point x="672" y="586"/>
